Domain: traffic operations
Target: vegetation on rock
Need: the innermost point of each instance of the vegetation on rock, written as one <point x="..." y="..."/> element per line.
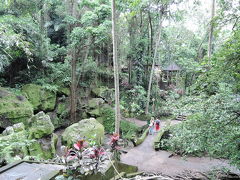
<point x="50" y="46"/>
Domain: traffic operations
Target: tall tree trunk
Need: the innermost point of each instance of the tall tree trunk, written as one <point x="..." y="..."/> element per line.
<point x="71" y="6"/>
<point x="150" y="33"/>
<point x="211" y="30"/>
<point x="131" y="28"/>
<point x="73" y="86"/>
<point x="42" y="32"/>
<point x="154" y="60"/>
<point x="116" y="69"/>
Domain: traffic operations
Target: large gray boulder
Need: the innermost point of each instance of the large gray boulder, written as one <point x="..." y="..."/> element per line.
<point x="91" y="129"/>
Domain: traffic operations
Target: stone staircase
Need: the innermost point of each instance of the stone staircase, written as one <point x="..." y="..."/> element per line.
<point x="181" y="117"/>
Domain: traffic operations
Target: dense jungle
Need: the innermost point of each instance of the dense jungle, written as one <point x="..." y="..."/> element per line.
<point x="83" y="81"/>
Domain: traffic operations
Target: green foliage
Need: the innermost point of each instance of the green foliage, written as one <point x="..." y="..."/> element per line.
<point x="133" y="101"/>
<point x="127" y="129"/>
<point x="13" y="45"/>
<point x="108" y="119"/>
<point x="224" y="68"/>
<point x="58" y="75"/>
<point x="213" y="128"/>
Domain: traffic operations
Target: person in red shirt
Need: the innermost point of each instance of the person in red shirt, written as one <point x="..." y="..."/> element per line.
<point x="157" y="125"/>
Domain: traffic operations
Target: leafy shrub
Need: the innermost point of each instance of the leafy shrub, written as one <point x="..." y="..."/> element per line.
<point x="133" y="101"/>
<point x="127" y="128"/>
<point x="108" y="119"/>
<point x="213" y="128"/>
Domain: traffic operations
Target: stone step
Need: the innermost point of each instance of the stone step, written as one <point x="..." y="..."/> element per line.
<point x="181" y="118"/>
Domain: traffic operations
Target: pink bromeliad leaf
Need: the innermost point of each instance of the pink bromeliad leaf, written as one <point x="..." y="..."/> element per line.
<point x="80" y="145"/>
<point x="77" y="146"/>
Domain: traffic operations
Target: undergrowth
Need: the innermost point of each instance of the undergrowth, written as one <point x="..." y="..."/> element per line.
<point x="127" y="128"/>
<point x="212" y="127"/>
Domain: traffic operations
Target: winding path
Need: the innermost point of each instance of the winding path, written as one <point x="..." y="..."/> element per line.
<point x="149" y="160"/>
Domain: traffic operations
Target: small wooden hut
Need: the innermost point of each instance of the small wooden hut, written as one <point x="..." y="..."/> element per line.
<point x="169" y="75"/>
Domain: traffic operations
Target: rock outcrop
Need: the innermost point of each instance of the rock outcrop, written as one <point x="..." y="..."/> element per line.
<point x="40" y="98"/>
<point x="40" y="126"/>
<point x="104" y="93"/>
<point x="13" y="108"/>
<point x="91" y="129"/>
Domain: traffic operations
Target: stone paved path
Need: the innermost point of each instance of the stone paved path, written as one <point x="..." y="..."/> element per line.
<point x="149" y="160"/>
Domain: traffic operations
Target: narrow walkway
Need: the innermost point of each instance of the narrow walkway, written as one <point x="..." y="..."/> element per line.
<point x="149" y="160"/>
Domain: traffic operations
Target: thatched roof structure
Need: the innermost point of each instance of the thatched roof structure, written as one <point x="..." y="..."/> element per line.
<point x="172" y="67"/>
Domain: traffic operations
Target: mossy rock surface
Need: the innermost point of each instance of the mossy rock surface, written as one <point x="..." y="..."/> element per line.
<point x="95" y="103"/>
<point x="36" y="149"/>
<point x="10" y="145"/>
<point x="54" y="140"/>
<point x="89" y="128"/>
<point x="64" y="91"/>
<point x="40" y="98"/>
<point x="103" y="92"/>
<point x="56" y="120"/>
<point x="40" y="126"/>
<point x="13" y="129"/>
<point x="95" y="112"/>
<point x="61" y="107"/>
<point x="13" y="108"/>
<point x="100" y="119"/>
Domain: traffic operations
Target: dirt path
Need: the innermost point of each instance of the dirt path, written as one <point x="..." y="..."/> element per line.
<point x="149" y="160"/>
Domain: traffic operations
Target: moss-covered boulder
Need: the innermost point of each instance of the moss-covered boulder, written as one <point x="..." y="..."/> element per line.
<point x="40" y="98"/>
<point x="64" y="91"/>
<point x="12" y="129"/>
<point x="89" y="128"/>
<point x="9" y="130"/>
<point x="41" y="150"/>
<point x="56" y="120"/>
<point x="62" y="107"/>
<point x="40" y="126"/>
<point x="44" y="148"/>
<point x="95" y="103"/>
<point x="18" y="127"/>
<point x="54" y="141"/>
<point x="95" y="113"/>
<point x="14" y="145"/>
<point x="103" y="92"/>
<point x="100" y="119"/>
<point x="14" y="108"/>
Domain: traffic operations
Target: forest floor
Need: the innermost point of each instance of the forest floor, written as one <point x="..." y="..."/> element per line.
<point x="149" y="160"/>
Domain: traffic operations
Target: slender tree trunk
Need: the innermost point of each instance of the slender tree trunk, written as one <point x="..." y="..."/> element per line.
<point x="211" y="30"/>
<point x="153" y="63"/>
<point x="73" y="86"/>
<point x="71" y="6"/>
<point x="150" y="33"/>
<point x="129" y="70"/>
<point x="42" y="33"/>
<point x="131" y="28"/>
<point x="116" y="69"/>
